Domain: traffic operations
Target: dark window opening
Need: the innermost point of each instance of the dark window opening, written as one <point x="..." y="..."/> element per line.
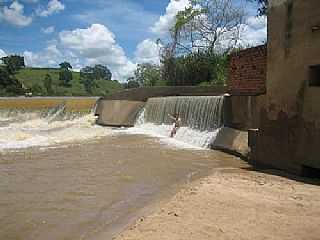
<point x="314" y="78"/>
<point x="310" y="172"/>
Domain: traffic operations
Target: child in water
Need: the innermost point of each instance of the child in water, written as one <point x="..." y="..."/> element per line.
<point x="176" y="125"/>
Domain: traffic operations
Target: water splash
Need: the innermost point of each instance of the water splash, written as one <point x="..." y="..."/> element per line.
<point x="55" y="126"/>
<point x="202" y="117"/>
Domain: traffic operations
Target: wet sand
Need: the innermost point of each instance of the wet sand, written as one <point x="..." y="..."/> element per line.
<point x="235" y="204"/>
<point x="95" y="189"/>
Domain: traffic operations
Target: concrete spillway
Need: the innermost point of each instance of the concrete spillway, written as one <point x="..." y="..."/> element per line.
<point x="201" y="120"/>
<point x="201" y="113"/>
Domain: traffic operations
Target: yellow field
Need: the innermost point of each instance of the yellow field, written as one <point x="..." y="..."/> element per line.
<point x="72" y="104"/>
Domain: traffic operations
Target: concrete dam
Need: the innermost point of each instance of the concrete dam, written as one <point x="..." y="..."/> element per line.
<point x="205" y="119"/>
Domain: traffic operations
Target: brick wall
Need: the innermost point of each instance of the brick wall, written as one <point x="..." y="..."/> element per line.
<point x="248" y="71"/>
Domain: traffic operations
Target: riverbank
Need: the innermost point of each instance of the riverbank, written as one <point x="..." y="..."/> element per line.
<point x="234" y="204"/>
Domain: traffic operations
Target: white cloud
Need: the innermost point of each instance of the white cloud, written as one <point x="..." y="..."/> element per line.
<point x="165" y="22"/>
<point x="14" y="14"/>
<point x="81" y="47"/>
<point x="51" y="56"/>
<point x="254" y="31"/>
<point x="97" y="44"/>
<point x="48" y="30"/>
<point x="2" y="53"/>
<point x="54" y="6"/>
<point x="147" y="52"/>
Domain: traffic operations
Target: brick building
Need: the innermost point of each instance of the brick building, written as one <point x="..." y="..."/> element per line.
<point x="248" y="71"/>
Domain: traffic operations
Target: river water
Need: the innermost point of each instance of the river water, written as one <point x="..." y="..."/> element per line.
<point x="62" y="177"/>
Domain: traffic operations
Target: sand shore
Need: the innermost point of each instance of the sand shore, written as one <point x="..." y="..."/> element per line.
<point x="234" y="204"/>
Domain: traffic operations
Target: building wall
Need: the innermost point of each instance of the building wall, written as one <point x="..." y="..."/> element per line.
<point x="247" y="71"/>
<point x="289" y="135"/>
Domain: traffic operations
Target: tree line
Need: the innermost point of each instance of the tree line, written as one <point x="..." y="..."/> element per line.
<point x="203" y="36"/>
<point x="94" y="80"/>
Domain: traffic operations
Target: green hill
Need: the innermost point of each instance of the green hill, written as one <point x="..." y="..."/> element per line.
<point x="33" y="79"/>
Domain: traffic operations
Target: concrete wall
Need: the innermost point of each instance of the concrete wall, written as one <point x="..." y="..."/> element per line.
<point x="247" y="71"/>
<point x="289" y="135"/>
<point x="118" y="112"/>
<point x="142" y="94"/>
<point x="243" y="112"/>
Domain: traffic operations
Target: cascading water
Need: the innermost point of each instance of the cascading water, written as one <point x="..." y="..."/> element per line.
<point x="201" y="117"/>
<point x="23" y="129"/>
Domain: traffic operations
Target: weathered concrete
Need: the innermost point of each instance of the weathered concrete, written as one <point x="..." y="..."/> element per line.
<point x="118" y="112"/>
<point x="243" y="112"/>
<point x="120" y="109"/>
<point x="232" y="141"/>
<point x="289" y="135"/>
<point x="142" y="94"/>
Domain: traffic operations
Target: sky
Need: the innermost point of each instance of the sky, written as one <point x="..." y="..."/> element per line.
<point x="117" y="33"/>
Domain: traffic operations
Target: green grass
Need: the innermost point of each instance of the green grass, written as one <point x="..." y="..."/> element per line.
<point x="30" y="77"/>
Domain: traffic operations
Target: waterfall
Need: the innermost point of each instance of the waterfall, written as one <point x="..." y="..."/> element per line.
<point x="22" y="128"/>
<point x="202" y="117"/>
<point x="202" y="113"/>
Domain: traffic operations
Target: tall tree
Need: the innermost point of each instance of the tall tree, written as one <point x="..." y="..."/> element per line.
<point x="207" y="25"/>
<point x="131" y="83"/>
<point x="87" y="77"/>
<point x="102" y="72"/>
<point x="13" y="63"/>
<point x="48" y="84"/>
<point x="8" y="83"/>
<point x="147" y="74"/>
<point x="65" y="75"/>
<point x="65" y="65"/>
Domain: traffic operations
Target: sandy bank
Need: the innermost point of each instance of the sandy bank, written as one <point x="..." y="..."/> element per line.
<point x="235" y="204"/>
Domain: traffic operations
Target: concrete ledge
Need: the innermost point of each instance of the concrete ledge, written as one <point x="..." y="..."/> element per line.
<point x="232" y="141"/>
<point x="118" y="113"/>
<point x="142" y="94"/>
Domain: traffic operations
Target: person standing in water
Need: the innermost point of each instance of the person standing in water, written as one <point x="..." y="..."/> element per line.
<point x="177" y="124"/>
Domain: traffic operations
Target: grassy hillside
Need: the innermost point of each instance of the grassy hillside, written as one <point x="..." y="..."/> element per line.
<point x="30" y="77"/>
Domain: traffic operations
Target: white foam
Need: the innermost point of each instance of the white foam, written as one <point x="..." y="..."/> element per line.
<point x="41" y="132"/>
<point x="186" y="138"/>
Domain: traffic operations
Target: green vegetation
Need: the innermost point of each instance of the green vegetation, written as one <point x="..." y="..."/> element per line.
<point x="201" y="68"/>
<point x="39" y="78"/>
<point x="16" y="79"/>
<point x="9" y="85"/>
<point x="146" y="75"/>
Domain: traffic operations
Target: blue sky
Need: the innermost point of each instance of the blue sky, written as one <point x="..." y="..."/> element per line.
<point x="117" y="33"/>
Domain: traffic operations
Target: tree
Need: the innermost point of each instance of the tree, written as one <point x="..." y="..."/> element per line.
<point x="9" y="85"/>
<point x="13" y="63"/>
<point x="194" y="69"/>
<point x="263" y="6"/>
<point x="131" y="83"/>
<point x="147" y="74"/>
<point x="87" y="77"/>
<point x="207" y="25"/>
<point x="48" y="84"/>
<point x="102" y="72"/>
<point x="65" y="65"/>
<point x="65" y="76"/>
<point x="36" y="89"/>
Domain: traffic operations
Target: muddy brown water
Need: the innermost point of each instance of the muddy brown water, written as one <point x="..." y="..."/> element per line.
<point x="92" y="190"/>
